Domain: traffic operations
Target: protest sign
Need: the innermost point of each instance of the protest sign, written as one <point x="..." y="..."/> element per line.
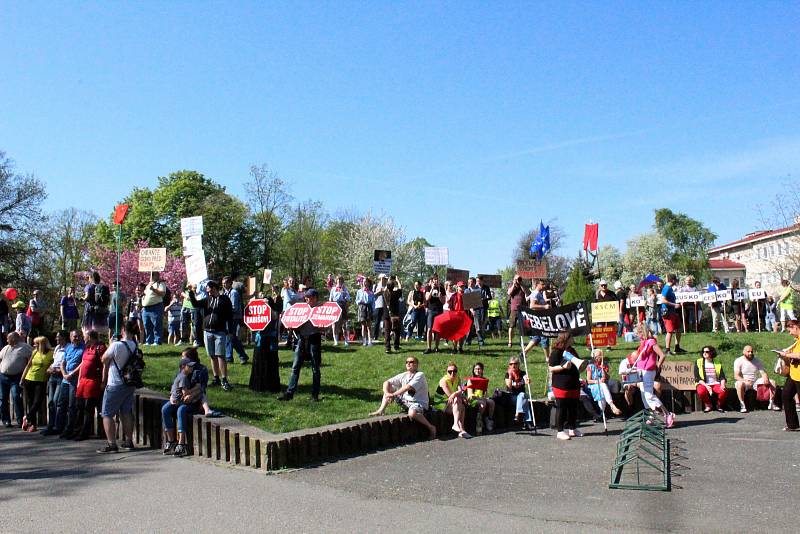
<point x="324" y="315"/>
<point x="152" y="260"/>
<point x="710" y="297"/>
<point x="687" y="296"/>
<point x="436" y="256"/>
<point x="637" y="302"/>
<point x="739" y="294"/>
<point x="251" y="285"/>
<point x="196" y="270"/>
<point x="191" y="226"/>
<point x="492" y="280"/>
<point x="678" y="374"/>
<point x="471" y="300"/>
<point x="723" y="295"/>
<point x="758" y="294"/>
<point x="553" y="321"/>
<point x="605" y="312"/>
<point x="531" y="269"/>
<point x="257" y="315"/>
<point x="296" y="315"/>
<point x="382" y="261"/>
<point x="192" y="244"/>
<point x="457" y="275"/>
<point x="603" y="336"/>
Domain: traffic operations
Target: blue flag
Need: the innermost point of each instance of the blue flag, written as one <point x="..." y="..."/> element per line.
<point x="541" y="245"/>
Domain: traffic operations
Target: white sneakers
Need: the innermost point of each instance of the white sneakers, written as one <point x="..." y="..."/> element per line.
<point x="562" y="436"/>
<point x="743" y="408"/>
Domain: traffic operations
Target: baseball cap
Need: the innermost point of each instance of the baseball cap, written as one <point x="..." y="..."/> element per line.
<point x="311" y="293"/>
<point x="617" y="285"/>
<point x="187" y="361"/>
<point x="460" y="284"/>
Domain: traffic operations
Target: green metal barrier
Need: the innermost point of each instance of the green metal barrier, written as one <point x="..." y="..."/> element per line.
<point x="642" y="460"/>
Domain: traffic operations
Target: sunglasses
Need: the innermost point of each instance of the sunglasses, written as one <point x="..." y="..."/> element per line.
<point x="410" y="361"/>
<point x="452" y="371"/>
<point x="706" y="351"/>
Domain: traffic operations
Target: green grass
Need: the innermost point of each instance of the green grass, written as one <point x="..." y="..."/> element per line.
<point x="352" y="376"/>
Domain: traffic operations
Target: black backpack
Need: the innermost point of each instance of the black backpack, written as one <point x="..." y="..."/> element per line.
<point x="167" y="298"/>
<point x="102" y="296"/>
<point x="131" y="372"/>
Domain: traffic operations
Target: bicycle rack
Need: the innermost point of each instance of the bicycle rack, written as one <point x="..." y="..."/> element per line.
<point x="643" y="455"/>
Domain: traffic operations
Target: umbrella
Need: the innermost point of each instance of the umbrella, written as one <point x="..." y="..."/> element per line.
<point x="649" y="280"/>
<point x="452" y="325"/>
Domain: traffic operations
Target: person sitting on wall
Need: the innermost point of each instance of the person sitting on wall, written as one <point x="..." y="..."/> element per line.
<point x="745" y="368"/>
<point x="710" y="378"/>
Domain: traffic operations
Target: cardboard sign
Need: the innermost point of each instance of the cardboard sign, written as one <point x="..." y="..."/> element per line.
<point x="723" y="295"/>
<point x="457" y="275"/>
<point x="192" y="245"/>
<point x="739" y="294"/>
<point x="436" y="256"/>
<point x="382" y="261"/>
<point x="492" y="280"/>
<point x="472" y="300"/>
<point x="325" y="315"/>
<point x="687" y="296"/>
<point x="605" y="312"/>
<point x="637" y="302"/>
<point x="267" y="276"/>
<point x="191" y="226"/>
<point x="758" y="294"/>
<point x="531" y="269"/>
<point x="603" y="336"/>
<point x="678" y="374"/>
<point x="152" y="260"/>
<point x="710" y="297"/>
<point x="251" y="286"/>
<point x="553" y="321"/>
<point x="196" y="270"/>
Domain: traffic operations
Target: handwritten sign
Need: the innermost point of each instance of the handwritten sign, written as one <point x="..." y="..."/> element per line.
<point x="152" y="260"/>
<point x="723" y="295"/>
<point x="710" y="297"/>
<point x="196" y="270"/>
<point x="687" y="296"/>
<point x="471" y="300"/>
<point x="603" y="336"/>
<point x="191" y="226"/>
<point x="739" y="294"/>
<point x="637" y="302"/>
<point x="605" y="312"/>
<point x="678" y="374"/>
<point x="758" y="294"/>
<point x="532" y="269"/>
<point x="436" y="255"/>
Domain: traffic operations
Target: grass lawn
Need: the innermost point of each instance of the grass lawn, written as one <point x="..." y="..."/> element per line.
<point x="352" y="376"/>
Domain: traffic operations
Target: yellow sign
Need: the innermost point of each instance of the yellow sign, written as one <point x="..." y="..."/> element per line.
<point x="605" y="312"/>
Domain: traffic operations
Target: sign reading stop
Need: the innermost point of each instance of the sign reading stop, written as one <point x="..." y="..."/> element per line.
<point x="257" y="315"/>
<point x="325" y="314"/>
<point x="296" y="315"/>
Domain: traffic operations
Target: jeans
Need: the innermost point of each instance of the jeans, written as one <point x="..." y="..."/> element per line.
<point x="234" y="343"/>
<point x="377" y="321"/>
<point x="621" y="324"/>
<point x="152" y="317"/>
<point x="313" y="346"/>
<point x="197" y="325"/>
<point x="769" y="322"/>
<point x="66" y="412"/>
<point x="53" y="388"/>
<point x="34" y="394"/>
<point x="391" y="325"/>
<point x="11" y="392"/>
<point x="186" y="323"/>
<point x="182" y="413"/>
<point x="479" y="320"/>
<point x="652" y="325"/>
<point x="523" y="406"/>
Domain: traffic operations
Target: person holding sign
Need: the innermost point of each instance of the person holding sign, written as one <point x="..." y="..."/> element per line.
<point x="597" y="378"/>
<point x="434" y="300"/>
<point x="791" y="357"/>
<point x="217" y="312"/>
<point x="671" y="316"/>
<point x="710" y="379"/>
<point x="516" y="380"/>
<point x="717" y="310"/>
<point x="309" y="343"/>
<point x="739" y="315"/>
<point x="153" y="309"/>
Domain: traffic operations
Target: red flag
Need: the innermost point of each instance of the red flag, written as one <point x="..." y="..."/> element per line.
<point x="590" y="237"/>
<point x="119" y="213"/>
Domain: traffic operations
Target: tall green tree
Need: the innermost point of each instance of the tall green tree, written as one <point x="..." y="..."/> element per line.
<point x="269" y="200"/>
<point x="688" y="240"/>
<point x="646" y="253"/>
<point x="579" y="287"/>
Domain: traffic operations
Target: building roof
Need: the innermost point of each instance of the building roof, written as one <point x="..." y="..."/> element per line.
<point x="724" y="263"/>
<point x="755" y="236"/>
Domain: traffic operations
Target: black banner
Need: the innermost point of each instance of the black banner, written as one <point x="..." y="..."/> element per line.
<point x="549" y="323"/>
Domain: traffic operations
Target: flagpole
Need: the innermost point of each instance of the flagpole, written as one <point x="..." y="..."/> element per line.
<point x="116" y="300"/>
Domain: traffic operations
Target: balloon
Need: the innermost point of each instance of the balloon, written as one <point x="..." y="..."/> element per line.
<point x="11" y="293"/>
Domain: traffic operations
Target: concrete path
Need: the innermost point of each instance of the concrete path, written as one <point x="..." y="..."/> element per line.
<point x="737" y="475"/>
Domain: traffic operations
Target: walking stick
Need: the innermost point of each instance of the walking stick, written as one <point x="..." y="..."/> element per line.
<point x="525" y="363"/>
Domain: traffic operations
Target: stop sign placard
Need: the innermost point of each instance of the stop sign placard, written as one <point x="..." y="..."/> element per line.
<point x="325" y="314"/>
<point x="257" y="315"/>
<point x="296" y="315"/>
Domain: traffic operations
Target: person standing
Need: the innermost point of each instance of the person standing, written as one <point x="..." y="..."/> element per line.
<point x="434" y="301"/>
<point x="153" y="309"/>
<point x="69" y="311"/>
<point x="622" y="307"/>
<point x="118" y="396"/>
<point x="671" y="316"/>
<point x="689" y="308"/>
<point x="516" y="299"/>
<point x="90" y="386"/>
<point x="36" y="309"/>
<point x="234" y="293"/>
<point x="717" y="312"/>
<point x="566" y="386"/>
<point x="14" y="358"/>
<point x="54" y="379"/>
<point x="217" y="311"/>
<point x="392" y="296"/>
<point x="786" y="304"/>
<point x="309" y="344"/>
<point x="117" y="310"/>
<point x="34" y="381"/>
<point x="365" y="300"/>
<point x="379" y="304"/>
<point x="341" y="296"/>
<point x="537" y="301"/>
<point x="67" y="401"/>
<point x="791" y="357"/>
<point x="97" y="298"/>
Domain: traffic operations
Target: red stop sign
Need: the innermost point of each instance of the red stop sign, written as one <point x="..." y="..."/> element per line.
<point x="257" y="315"/>
<point x="325" y="314"/>
<point x="296" y="315"/>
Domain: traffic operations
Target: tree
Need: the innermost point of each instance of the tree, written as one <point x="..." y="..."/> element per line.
<point x="268" y="198"/>
<point x="67" y="245"/>
<point x="303" y="240"/>
<point x="609" y="260"/>
<point x="579" y="287"/>
<point x="174" y="275"/>
<point x="362" y="236"/>
<point x="523" y="248"/>
<point x="141" y="223"/>
<point x="688" y="241"/>
<point x="646" y="253"/>
<point x="20" y="197"/>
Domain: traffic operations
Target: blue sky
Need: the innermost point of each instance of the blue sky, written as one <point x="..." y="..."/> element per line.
<point x="467" y="122"/>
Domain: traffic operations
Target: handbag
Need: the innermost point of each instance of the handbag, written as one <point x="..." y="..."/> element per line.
<point x="762" y="392"/>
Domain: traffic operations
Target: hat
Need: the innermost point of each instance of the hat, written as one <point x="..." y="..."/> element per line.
<point x="603" y="283"/>
<point x="460" y="283"/>
<point x="617" y="285"/>
<point x="311" y="293"/>
<point x="301" y="287"/>
<point x="187" y="361"/>
<point x="19" y="305"/>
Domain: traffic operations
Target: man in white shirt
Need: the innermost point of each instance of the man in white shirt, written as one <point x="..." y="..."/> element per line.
<point x="153" y="309"/>
<point x="409" y="389"/>
<point x="118" y="396"/>
<point x="745" y="368"/>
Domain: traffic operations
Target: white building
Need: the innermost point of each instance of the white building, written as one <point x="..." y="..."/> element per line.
<point x="766" y="256"/>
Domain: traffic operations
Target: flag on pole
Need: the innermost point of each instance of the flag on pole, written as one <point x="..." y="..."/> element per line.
<point x="541" y="245"/>
<point x="590" y="237"/>
<point x="119" y="213"/>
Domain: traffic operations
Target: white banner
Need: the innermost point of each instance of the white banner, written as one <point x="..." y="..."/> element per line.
<point x="739" y="294"/>
<point x="196" y="270"/>
<point x="687" y="296"/>
<point x="637" y="302"/>
<point x="192" y="245"/>
<point x="710" y="297"/>
<point x="192" y="226"/>
<point x="758" y="294"/>
<point x="723" y="294"/>
<point x="436" y="256"/>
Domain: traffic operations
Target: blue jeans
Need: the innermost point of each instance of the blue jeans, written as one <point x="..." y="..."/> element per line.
<point x="180" y="412"/>
<point x="11" y="391"/>
<point x="313" y="346"/>
<point x="621" y="324"/>
<point x="53" y="388"/>
<point x="523" y="406"/>
<point x="67" y="411"/>
<point x="234" y="343"/>
<point x="152" y="317"/>
<point x="652" y="325"/>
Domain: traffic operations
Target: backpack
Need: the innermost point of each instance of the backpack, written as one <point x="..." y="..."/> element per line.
<point x="102" y="296"/>
<point x="131" y="372"/>
<point x="167" y="298"/>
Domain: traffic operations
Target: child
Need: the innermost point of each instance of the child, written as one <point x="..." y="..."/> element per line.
<point x="174" y="311"/>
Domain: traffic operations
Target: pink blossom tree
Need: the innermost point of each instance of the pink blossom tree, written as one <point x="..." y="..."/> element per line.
<point x="105" y="262"/>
